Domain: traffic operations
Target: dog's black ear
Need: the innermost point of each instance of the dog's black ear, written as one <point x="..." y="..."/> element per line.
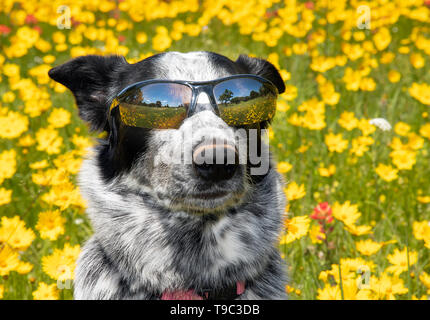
<point x="89" y="78"/>
<point x="263" y="69"/>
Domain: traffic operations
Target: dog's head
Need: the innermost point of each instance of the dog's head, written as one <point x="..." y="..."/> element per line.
<point x="136" y="157"/>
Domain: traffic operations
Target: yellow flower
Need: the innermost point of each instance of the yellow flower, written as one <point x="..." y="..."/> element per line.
<point x="60" y="265"/>
<point x="386" y="287"/>
<point x="423" y="199"/>
<point x="367" y="84"/>
<point x="316" y="235"/>
<point x="421" y="92"/>
<point x="399" y="261"/>
<point x="59" y="118"/>
<point x="403" y="159"/>
<point x="49" y="58"/>
<point x="41" y="73"/>
<point x="14" y="232"/>
<point x="293" y="191"/>
<point x="402" y="128"/>
<point x="365" y="127"/>
<point x="417" y="60"/>
<point x="285" y="75"/>
<point x="8" y="97"/>
<point x="46" y="292"/>
<point x="64" y="195"/>
<point x="52" y="177"/>
<point x="11" y="70"/>
<point x="297" y="227"/>
<point x="327" y="172"/>
<point x="387" y="57"/>
<point x="415" y="142"/>
<point x="425" y="130"/>
<point x="368" y="247"/>
<point x="394" y="76"/>
<point x="69" y="162"/>
<point x="5" y="196"/>
<point x="295" y="120"/>
<point x="50" y="224"/>
<point x="58" y="37"/>
<point x="313" y="120"/>
<point x="347" y="213"/>
<point x="26" y="141"/>
<point x="9" y="260"/>
<point x="350" y="288"/>
<point x="81" y="143"/>
<point x="396" y="144"/>
<point x="161" y="41"/>
<point x="1" y="291"/>
<point x="141" y="37"/>
<point x="382" y="38"/>
<point x="290" y="92"/>
<point x="24" y="267"/>
<point x="360" y="145"/>
<point x="358" y="230"/>
<point x="284" y="167"/>
<point x="329" y="96"/>
<point x="386" y="172"/>
<point x="13" y="125"/>
<point x="322" y="64"/>
<point x="348" y="120"/>
<point x="7" y="164"/>
<point x="421" y="231"/>
<point x="282" y="106"/>
<point x="39" y="164"/>
<point x="335" y="142"/>
<point x="48" y="140"/>
<point x="329" y="293"/>
<point x="300" y="48"/>
<point x="425" y="279"/>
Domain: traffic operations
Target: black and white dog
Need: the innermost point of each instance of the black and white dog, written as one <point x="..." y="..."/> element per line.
<point x="163" y="231"/>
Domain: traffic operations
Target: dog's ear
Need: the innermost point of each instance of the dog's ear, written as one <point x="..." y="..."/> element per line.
<point x="263" y="69"/>
<point x="89" y="78"/>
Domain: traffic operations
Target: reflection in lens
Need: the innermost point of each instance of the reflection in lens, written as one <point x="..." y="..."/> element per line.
<point x="245" y="101"/>
<point x="157" y="105"/>
<point x="160" y="95"/>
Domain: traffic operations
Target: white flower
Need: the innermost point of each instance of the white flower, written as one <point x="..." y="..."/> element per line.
<point x="381" y="123"/>
<point x="79" y="221"/>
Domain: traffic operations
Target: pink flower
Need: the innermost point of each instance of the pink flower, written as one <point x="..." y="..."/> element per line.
<point x="309" y="5"/>
<point x="322" y="212"/>
<point x="4" y="29"/>
<point x="30" y="19"/>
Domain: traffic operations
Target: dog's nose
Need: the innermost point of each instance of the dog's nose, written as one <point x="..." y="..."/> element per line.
<point x="215" y="162"/>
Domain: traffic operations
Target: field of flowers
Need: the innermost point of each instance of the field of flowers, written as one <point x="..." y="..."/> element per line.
<point x="352" y="132"/>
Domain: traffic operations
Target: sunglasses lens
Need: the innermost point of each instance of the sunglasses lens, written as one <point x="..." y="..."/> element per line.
<point x="157" y="105"/>
<point x="245" y="101"/>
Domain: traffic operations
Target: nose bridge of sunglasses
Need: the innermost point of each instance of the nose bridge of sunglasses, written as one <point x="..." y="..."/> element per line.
<point x="204" y="102"/>
<point x="203" y="98"/>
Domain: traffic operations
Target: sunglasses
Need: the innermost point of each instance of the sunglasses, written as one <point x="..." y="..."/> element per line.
<point x="163" y="104"/>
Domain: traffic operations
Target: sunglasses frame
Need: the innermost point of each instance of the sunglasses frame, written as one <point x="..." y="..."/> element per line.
<point x="197" y="87"/>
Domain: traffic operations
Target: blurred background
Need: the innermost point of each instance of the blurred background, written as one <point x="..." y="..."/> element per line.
<point x="351" y="134"/>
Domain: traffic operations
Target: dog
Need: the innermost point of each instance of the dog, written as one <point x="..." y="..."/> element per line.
<point x="164" y="231"/>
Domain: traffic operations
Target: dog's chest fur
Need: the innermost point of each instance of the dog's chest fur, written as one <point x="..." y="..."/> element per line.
<point x="145" y="246"/>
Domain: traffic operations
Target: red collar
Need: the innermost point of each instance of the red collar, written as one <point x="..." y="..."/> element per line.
<point x="224" y="294"/>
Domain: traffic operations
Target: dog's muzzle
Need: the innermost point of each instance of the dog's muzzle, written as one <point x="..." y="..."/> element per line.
<point x="215" y="162"/>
